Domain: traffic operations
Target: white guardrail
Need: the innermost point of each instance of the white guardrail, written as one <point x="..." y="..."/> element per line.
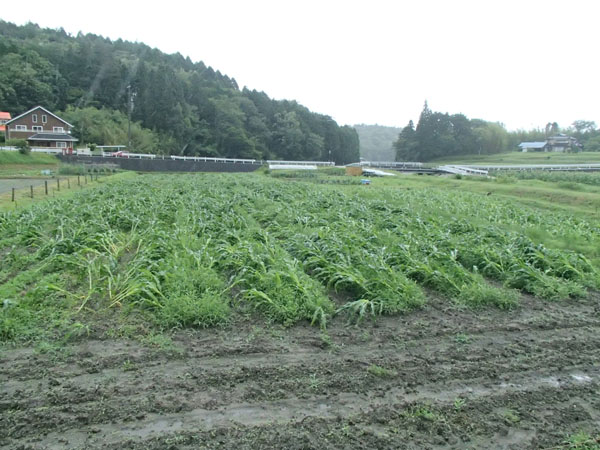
<point x="463" y="170"/>
<point x="583" y="166"/>
<point x="48" y="150"/>
<point x="470" y="169"/>
<point x="223" y="160"/>
<point x="300" y="163"/>
<point x="390" y="164"/>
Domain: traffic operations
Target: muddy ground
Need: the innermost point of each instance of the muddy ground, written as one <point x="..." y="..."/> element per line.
<point x="440" y="378"/>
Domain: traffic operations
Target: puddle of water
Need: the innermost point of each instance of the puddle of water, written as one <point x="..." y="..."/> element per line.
<point x="581" y="378"/>
<point x="552" y="381"/>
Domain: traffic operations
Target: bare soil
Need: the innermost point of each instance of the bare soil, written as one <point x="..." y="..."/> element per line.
<point x="439" y="378"/>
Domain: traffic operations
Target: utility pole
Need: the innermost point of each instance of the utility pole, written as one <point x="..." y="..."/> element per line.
<point x="129" y="105"/>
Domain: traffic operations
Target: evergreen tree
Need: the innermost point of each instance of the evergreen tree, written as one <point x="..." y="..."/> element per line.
<point x="188" y="107"/>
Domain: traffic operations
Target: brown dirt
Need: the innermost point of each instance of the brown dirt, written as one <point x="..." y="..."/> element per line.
<point x="453" y="379"/>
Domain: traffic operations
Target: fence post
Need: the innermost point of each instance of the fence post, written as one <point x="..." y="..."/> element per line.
<point x="31" y="189"/>
<point x="78" y="181"/>
<point x="13" y="195"/>
<point x="46" y="186"/>
<point x="69" y="183"/>
<point x="58" y="184"/>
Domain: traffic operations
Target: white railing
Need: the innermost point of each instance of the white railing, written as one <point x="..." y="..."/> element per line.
<point x="121" y="154"/>
<point x="463" y="170"/>
<point x="391" y="164"/>
<point x="48" y="150"/>
<point x="301" y="163"/>
<point x="292" y="167"/>
<point x="538" y="167"/>
<point x="209" y="159"/>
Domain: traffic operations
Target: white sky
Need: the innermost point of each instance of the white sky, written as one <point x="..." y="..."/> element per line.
<point x="523" y="63"/>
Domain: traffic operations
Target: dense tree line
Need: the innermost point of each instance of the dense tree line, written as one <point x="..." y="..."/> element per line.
<point x="440" y="135"/>
<point x="178" y="106"/>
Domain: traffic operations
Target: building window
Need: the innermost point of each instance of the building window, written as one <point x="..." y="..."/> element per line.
<point x="20" y="127"/>
<point x="61" y="144"/>
<point x="37" y="128"/>
<point x="58" y="129"/>
<point x="44" y="118"/>
<point x="34" y="118"/>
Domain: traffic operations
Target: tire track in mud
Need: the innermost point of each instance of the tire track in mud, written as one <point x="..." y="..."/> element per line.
<point x="121" y="393"/>
<point x="294" y="410"/>
<point x="446" y="355"/>
<point x="88" y="361"/>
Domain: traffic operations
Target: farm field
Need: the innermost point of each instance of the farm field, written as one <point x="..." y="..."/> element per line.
<point x="574" y="193"/>
<point x="524" y="158"/>
<point x="220" y="311"/>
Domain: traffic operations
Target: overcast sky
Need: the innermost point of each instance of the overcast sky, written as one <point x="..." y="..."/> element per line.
<point x="523" y="63"/>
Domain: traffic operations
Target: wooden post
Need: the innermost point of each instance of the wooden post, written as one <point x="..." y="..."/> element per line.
<point x="69" y="183"/>
<point x="58" y="184"/>
<point x="31" y="189"/>
<point x="46" y="186"/>
<point x="13" y="194"/>
<point x="85" y="178"/>
<point x="78" y="181"/>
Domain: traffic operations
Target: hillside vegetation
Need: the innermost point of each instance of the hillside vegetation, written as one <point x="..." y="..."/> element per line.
<point x="377" y="142"/>
<point x="443" y="136"/>
<point x="178" y="106"/>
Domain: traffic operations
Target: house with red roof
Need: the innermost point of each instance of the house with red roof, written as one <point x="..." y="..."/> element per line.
<point x="4" y="117"/>
<point x="41" y="128"/>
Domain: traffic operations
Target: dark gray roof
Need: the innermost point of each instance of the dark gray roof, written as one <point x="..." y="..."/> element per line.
<point x="52" y="137"/>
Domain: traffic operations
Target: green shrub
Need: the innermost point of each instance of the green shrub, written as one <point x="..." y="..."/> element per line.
<point x="71" y="169"/>
<point x="21" y="144"/>
<point x="480" y="294"/>
<point x="185" y="310"/>
<point x="335" y="171"/>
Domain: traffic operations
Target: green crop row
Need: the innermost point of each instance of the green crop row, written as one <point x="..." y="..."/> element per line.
<point x="566" y="179"/>
<point x="192" y="250"/>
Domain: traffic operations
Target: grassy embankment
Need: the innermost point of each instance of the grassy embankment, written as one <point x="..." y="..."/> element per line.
<point x="22" y="172"/>
<point x="14" y="164"/>
<point x="68" y="188"/>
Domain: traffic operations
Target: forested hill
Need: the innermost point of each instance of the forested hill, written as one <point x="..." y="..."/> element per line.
<point x="443" y="135"/>
<point x="179" y="106"/>
<point x="377" y="142"/>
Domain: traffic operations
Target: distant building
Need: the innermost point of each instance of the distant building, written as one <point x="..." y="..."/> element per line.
<point x="533" y="146"/>
<point x="558" y="143"/>
<point x="561" y="143"/>
<point x="41" y="128"/>
<point x="4" y="117"/>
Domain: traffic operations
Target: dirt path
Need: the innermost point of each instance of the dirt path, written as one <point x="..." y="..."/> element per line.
<point x="6" y="184"/>
<point x="437" y="378"/>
